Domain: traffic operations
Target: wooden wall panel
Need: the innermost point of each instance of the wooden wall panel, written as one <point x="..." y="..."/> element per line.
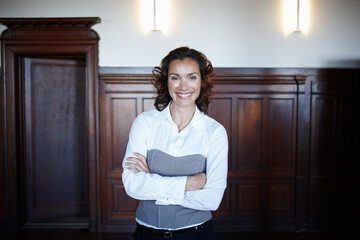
<point x="334" y="158"/>
<point x="286" y="142"/>
<point x="323" y="134"/>
<point x="123" y="113"/>
<point x="121" y="204"/>
<point x="223" y="116"/>
<point x="148" y="104"/>
<point x="349" y="132"/>
<point x="280" y="197"/>
<point x="323" y="201"/>
<point x="249" y="198"/>
<point x="282" y="129"/>
<point x="249" y="135"/>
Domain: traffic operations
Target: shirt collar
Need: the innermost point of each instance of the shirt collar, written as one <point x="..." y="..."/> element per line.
<point x="165" y="113"/>
<point x="198" y="119"/>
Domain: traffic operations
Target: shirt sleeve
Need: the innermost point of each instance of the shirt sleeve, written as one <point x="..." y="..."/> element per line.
<point x="209" y="198"/>
<point x="148" y="186"/>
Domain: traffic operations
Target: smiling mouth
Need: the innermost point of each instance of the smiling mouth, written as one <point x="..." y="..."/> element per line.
<point x="184" y="95"/>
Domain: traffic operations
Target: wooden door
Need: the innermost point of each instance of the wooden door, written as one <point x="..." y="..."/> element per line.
<point x="55" y="140"/>
<point x="21" y="199"/>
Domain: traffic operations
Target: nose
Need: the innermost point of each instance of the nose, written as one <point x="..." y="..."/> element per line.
<point x="184" y="85"/>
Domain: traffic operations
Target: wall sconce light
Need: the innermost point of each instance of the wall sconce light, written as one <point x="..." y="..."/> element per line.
<point x="155" y="15"/>
<point x="296" y="16"/>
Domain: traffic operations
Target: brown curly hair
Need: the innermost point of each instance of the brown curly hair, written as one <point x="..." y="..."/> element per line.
<point x="160" y="80"/>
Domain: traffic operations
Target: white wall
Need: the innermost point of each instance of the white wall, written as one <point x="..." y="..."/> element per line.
<point x="232" y="33"/>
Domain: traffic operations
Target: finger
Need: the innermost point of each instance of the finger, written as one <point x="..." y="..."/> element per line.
<point x="142" y="165"/>
<point x="142" y="158"/>
<point x="138" y="164"/>
<point x="134" y="167"/>
<point x="133" y="163"/>
<point x="144" y="162"/>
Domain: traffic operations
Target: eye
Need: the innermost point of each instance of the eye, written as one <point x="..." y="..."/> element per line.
<point x="174" y="78"/>
<point x="193" y="77"/>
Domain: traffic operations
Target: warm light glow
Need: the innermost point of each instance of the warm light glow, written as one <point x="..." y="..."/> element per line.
<point x="155" y="15"/>
<point x="304" y="16"/>
<point x="296" y="16"/>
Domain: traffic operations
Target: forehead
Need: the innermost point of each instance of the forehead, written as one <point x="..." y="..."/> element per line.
<point x="186" y="65"/>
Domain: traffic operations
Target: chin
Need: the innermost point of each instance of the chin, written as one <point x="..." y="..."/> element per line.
<point x="184" y="102"/>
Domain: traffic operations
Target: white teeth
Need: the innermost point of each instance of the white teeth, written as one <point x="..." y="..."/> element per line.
<point x="184" y="95"/>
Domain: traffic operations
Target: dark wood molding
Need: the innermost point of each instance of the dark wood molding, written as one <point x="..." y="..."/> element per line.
<point x="83" y="22"/>
<point x="231" y="71"/>
<point x="49" y="29"/>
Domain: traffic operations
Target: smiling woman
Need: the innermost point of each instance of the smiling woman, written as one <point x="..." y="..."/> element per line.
<point x="176" y="158"/>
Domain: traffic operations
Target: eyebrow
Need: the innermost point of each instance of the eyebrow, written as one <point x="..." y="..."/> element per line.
<point x="194" y="73"/>
<point x="176" y="74"/>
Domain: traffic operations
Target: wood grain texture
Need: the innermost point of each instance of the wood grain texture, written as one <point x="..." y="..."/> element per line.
<point x="45" y="38"/>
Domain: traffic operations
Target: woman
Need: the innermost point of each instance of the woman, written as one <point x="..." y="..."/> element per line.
<point x="176" y="157"/>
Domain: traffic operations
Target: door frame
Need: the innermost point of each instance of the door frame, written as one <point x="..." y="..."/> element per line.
<point x="43" y="37"/>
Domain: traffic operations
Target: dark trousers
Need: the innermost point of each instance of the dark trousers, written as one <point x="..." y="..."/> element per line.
<point x="202" y="233"/>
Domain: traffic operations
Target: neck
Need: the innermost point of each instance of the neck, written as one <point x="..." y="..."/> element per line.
<point x="182" y="115"/>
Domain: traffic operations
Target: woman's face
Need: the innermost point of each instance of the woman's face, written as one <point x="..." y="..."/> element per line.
<point x="184" y="82"/>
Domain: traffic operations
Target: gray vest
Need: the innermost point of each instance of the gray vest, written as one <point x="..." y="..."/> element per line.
<point x="172" y="216"/>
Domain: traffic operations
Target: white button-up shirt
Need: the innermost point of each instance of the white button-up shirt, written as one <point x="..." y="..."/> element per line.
<point x="203" y="135"/>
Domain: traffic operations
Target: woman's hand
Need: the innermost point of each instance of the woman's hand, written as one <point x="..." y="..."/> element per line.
<point x="195" y="182"/>
<point x="137" y="164"/>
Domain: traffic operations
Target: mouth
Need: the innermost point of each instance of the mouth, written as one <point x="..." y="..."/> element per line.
<point x="184" y="95"/>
